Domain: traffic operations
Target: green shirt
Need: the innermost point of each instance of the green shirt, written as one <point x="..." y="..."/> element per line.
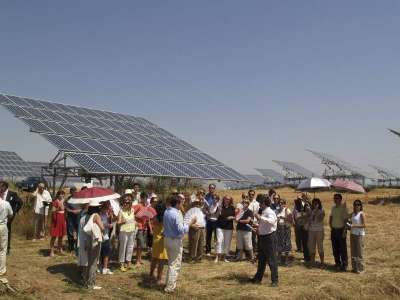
<point x="339" y="216"/>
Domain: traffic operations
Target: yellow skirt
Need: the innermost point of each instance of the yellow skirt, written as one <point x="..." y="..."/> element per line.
<point x="158" y="248"/>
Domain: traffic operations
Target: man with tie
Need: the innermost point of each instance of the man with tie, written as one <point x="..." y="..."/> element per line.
<point x="15" y="203"/>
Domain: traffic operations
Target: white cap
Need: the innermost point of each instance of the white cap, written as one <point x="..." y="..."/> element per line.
<point x="128" y="192"/>
<point x="94" y="202"/>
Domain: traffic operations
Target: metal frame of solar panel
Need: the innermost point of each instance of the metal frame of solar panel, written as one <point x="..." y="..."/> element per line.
<point x="338" y="168"/>
<point x="294" y="173"/>
<point x="271" y="176"/>
<point x="107" y="143"/>
<point x="12" y="165"/>
<point x="388" y="177"/>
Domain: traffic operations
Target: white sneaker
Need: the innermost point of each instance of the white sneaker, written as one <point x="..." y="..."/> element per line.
<point x="225" y="260"/>
<point x="107" y="272"/>
<point x="97" y="287"/>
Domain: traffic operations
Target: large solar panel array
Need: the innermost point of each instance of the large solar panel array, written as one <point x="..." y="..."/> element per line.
<point x="272" y="175"/>
<point x="294" y="169"/>
<point x="386" y="173"/>
<point x="104" y="142"/>
<point x="344" y="166"/>
<point x="11" y="165"/>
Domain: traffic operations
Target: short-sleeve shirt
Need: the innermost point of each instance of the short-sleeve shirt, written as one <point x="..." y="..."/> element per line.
<point x="40" y="198"/>
<point x="339" y="216"/>
<point x="129" y="218"/>
<point x="245" y="227"/>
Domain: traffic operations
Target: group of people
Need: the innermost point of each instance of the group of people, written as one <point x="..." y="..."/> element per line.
<point x="261" y="225"/>
<point x="308" y="218"/>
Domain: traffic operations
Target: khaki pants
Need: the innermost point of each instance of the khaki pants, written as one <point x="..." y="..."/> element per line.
<point x="174" y="251"/>
<point x="3" y="248"/>
<point x="89" y="274"/>
<point x="39" y="225"/>
<point x="243" y="240"/>
<point x="356" y="248"/>
<point x="316" y="240"/>
<point x="196" y="242"/>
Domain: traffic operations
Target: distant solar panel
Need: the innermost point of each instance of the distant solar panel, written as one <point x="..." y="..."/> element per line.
<point x="256" y="179"/>
<point x="11" y="165"/>
<point x="386" y="173"/>
<point x="395" y="132"/>
<point x="272" y="175"/>
<point x="104" y="142"/>
<point x="341" y="164"/>
<point x="295" y="168"/>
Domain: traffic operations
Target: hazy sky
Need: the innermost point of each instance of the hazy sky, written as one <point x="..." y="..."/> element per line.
<point x="246" y="81"/>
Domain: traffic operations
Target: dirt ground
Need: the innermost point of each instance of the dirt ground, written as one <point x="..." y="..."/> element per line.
<point x="34" y="275"/>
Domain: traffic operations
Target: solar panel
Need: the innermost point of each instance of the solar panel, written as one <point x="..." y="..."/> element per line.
<point x="395" y="132"/>
<point x="104" y="142"/>
<point x="272" y="175"/>
<point x="341" y="164"/>
<point x="294" y="168"/>
<point x="256" y="179"/>
<point x="11" y="165"/>
<point x="386" y="173"/>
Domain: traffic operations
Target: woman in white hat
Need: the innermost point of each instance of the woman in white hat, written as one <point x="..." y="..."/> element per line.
<point x="93" y="228"/>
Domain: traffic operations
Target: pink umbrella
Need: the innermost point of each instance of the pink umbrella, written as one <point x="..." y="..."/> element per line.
<point x="146" y="212"/>
<point x="348" y="185"/>
<point x="95" y="193"/>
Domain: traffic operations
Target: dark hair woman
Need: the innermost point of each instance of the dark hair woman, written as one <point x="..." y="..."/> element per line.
<point x="316" y="231"/>
<point x="158" y="252"/>
<point x="58" y="225"/>
<point x="357" y="234"/>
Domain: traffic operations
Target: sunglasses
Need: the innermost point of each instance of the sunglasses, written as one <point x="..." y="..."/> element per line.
<point x="358" y="204"/>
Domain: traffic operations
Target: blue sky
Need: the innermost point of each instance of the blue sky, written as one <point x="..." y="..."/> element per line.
<point x="247" y="82"/>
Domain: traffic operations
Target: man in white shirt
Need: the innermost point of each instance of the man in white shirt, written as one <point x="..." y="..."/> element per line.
<point x="196" y="230"/>
<point x="6" y="212"/>
<point x="41" y="207"/>
<point x="266" y="242"/>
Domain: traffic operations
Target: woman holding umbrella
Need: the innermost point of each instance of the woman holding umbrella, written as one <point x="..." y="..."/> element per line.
<point x="94" y="228"/>
<point x="91" y="230"/>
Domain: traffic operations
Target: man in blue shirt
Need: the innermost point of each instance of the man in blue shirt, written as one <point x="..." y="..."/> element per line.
<point x="174" y="231"/>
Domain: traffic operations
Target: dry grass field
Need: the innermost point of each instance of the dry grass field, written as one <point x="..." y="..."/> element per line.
<point x="34" y="275"/>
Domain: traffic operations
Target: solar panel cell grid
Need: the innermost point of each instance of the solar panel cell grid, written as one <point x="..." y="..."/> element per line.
<point x="87" y="163"/>
<point x="143" y="166"/>
<point x="79" y="129"/>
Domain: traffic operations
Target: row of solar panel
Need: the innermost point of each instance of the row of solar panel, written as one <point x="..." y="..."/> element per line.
<point x="74" y="144"/>
<point x="14" y="173"/>
<point x="17" y="163"/>
<point x="9" y="155"/>
<point x="70" y="109"/>
<point x="103" y="134"/>
<point x="100" y="164"/>
<point x="345" y="166"/>
<point x="95" y="123"/>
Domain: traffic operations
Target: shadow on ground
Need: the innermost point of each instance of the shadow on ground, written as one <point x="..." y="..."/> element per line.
<point x="69" y="270"/>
